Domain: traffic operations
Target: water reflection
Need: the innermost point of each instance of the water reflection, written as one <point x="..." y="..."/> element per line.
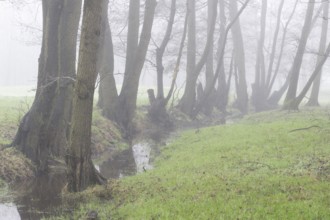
<point x="9" y="212"/>
<point x="128" y="162"/>
<point x="39" y="197"/>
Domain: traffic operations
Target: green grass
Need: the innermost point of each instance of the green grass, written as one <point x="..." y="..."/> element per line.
<point x="12" y="109"/>
<point x="260" y="168"/>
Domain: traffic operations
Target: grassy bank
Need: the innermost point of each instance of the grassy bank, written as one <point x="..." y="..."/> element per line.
<point x="272" y="165"/>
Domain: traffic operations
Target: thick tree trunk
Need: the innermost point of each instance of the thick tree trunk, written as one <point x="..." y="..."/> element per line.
<point x="295" y="70"/>
<point x="81" y="171"/>
<point x="42" y="133"/>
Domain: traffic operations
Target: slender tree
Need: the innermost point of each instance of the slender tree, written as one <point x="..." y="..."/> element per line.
<point x="107" y="87"/>
<point x="295" y="70"/>
<point x="220" y="63"/>
<point x="259" y="86"/>
<point x="188" y="100"/>
<point x="313" y="99"/>
<point x="242" y="96"/>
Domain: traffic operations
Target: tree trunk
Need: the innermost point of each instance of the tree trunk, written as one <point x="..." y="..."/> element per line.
<point x="81" y="171"/>
<point x="157" y="111"/>
<point x="222" y="96"/>
<point x="296" y="102"/>
<point x="126" y="105"/>
<point x="209" y="71"/>
<point x="43" y="131"/>
<point x="314" y="97"/>
<point x="187" y="101"/>
<point x="275" y="97"/>
<point x="107" y="90"/>
<point x="295" y="70"/>
<point x="208" y="90"/>
<point x="242" y="96"/>
<point x="259" y="95"/>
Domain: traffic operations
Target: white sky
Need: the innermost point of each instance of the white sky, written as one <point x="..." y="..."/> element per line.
<point x="18" y="58"/>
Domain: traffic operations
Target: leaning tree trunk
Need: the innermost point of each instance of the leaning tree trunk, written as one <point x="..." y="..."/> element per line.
<point x="188" y="100"/>
<point x="208" y="90"/>
<point x="295" y="70"/>
<point x="157" y="111"/>
<point x="275" y="97"/>
<point x="296" y="102"/>
<point x="42" y="133"/>
<point x="314" y="97"/>
<point x="81" y="171"/>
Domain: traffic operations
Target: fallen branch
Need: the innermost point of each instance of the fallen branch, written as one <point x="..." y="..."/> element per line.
<point x="302" y="129"/>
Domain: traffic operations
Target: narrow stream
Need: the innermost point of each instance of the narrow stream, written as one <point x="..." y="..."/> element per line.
<point x="41" y="197"/>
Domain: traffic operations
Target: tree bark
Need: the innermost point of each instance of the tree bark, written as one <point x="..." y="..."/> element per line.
<point x="81" y="171"/>
<point x="43" y="131"/>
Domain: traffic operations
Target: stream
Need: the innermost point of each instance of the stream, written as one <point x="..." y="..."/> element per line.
<point x="41" y="197"/>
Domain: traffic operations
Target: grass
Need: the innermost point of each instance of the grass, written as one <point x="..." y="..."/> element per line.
<point x="12" y="109"/>
<point x="273" y="165"/>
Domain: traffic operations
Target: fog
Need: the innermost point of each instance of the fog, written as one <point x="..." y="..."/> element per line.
<point x="19" y="49"/>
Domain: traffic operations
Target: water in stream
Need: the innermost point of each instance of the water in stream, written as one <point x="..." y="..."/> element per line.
<point x="40" y="197"/>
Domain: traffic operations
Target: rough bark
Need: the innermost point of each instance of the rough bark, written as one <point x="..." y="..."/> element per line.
<point x="42" y="133"/>
<point x="81" y="171"/>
